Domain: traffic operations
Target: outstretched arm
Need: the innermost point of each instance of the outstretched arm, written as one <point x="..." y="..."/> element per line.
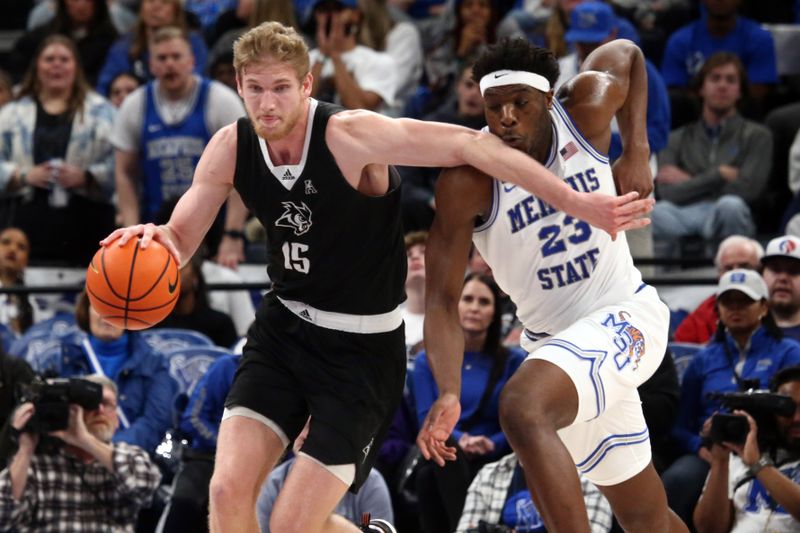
<point x="359" y="138"/>
<point x="197" y="208"/>
<point x="461" y="194"/>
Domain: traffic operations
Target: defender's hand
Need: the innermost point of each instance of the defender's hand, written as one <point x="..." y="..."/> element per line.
<point x="147" y="232"/>
<point x="613" y="214"/>
<point x="437" y="427"/>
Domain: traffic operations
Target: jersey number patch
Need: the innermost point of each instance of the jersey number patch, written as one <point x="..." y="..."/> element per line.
<point x="293" y="257"/>
<point x="554" y="242"/>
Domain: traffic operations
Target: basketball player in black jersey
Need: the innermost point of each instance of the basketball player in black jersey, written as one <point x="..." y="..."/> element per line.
<point x="327" y="341"/>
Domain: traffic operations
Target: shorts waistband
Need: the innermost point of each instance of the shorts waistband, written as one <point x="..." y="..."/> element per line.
<point x="344" y="322"/>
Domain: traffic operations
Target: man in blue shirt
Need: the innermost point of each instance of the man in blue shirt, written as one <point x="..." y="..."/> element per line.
<point x="721" y="29"/>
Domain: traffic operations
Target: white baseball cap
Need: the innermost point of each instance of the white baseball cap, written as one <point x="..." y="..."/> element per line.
<point x="784" y="246"/>
<point x="746" y="281"/>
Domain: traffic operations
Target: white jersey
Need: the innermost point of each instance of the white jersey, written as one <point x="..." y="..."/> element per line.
<point x="556" y="268"/>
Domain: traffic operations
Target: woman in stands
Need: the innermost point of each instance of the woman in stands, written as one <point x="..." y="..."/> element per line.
<point x="146" y="390"/>
<point x="129" y="53"/>
<point x="747" y="350"/>
<point x="87" y="23"/>
<point x="486" y="367"/>
<point x="56" y="161"/>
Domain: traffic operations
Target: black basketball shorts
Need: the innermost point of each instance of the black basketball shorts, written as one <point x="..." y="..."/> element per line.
<point x="350" y="383"/>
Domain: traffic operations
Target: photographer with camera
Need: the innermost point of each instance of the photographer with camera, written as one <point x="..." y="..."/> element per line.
<point x="746" y="351"/>
<point x="751" y="490"/>
<point x="82" y="482"/>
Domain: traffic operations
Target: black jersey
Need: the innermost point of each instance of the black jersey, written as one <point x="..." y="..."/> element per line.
<point x="328" y="245"/>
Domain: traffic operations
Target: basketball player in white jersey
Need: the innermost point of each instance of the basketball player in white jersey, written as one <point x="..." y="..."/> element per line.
<point x="593" y="330"/>
<point x="328" y="338"/>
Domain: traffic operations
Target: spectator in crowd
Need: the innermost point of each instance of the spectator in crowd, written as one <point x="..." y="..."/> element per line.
<point x="121" y="86"/>
<point x="121" y="12"/>
<point x="747" y="350"/>
<point x="372" y="497"/>
<point x="243" y="15"/>
<point x="87" y="483"/>
<point x="400" y="39"/>
<point x="593" y="24"/>
<point x="559" y="21"/>
<point x="192" y="310"/>
<point x="6" y="88"/>
<point x="209" y="11"/>
<point x="791" y="219"/>
<point x="55" y="156"/>
<point x="414" y="309"/>
<point x="345" y="72"/>
<point x="146" y="389"/>
<point x="16" y="310"/>
<point x="720" y="29"/>
<point x="131" y="52"/>
<point x="713" y="168"/>
<point x="475" y="27"/>
<point x="188" y="506"/>
<point x="734" y="252"/>
<point x="464" y="108"/>
<point x="756" y="489"/>
<point x="498" y="496"/>
<point x="781" y="265"/>
<point x="486" y="367"/>
<point x="87" y="22"/>
<point x="164" y="126"/>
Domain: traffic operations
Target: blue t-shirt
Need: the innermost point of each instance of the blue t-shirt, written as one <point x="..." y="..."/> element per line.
<point x="792" y="332"/>
<point x="689" y="47"/>
<point x="110" y="354"/>
<point x="519" y="511"/>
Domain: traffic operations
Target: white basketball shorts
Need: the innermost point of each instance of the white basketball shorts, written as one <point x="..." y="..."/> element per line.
<point x="607" y="355"/>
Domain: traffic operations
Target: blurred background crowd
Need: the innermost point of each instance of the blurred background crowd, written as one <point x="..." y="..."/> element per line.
<point x="106" y="106"/>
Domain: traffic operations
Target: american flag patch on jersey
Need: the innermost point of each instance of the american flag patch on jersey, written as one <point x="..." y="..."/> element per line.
<point x="568" y="151"/>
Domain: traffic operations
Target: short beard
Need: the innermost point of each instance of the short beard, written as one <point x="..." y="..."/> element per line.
<point x="276" y="135"/>
<point x="784" y="310"/>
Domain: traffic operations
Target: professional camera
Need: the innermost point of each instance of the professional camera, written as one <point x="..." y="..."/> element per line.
<point x="51" y="400"/>
<point x="761" y="405"/>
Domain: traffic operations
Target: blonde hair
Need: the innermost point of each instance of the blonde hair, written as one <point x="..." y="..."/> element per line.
<point x="274" y="40"/>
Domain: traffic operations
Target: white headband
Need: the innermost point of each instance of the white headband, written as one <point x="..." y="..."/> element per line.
<point x="499" y="78"/>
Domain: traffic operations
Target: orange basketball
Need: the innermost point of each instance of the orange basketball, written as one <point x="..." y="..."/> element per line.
<point x="131" y="287"/>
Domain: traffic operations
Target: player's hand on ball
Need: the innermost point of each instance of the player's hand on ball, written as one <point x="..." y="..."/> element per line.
<point x="147" y="233"/>
<point x="437" y="427"/>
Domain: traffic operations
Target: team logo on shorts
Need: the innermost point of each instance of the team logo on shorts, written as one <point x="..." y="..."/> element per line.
<point x="629" y="340"/>
<point x="297" y="217"/>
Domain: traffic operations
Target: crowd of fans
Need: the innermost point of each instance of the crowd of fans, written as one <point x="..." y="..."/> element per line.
<point x="105" y="109"/>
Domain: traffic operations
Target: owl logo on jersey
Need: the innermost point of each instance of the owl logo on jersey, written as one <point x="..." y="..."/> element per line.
<point x="296" y="217"/>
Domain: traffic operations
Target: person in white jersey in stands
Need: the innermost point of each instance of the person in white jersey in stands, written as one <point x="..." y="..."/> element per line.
<point x="593" y="330"/>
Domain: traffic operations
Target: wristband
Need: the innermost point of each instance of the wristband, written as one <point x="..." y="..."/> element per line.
<point x="234" y="234"/>
<point x="763" y="462"/>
